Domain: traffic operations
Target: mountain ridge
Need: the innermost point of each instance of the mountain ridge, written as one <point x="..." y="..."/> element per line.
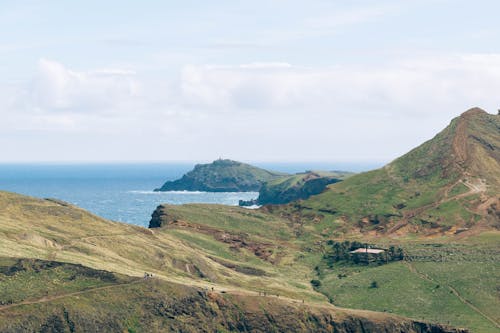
<point x="446" y="185"/>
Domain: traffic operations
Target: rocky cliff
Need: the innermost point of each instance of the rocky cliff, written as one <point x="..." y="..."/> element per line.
<point x="296" y="187"/>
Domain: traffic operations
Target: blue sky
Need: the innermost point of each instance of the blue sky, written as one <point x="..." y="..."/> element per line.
<point x="249" y="80"/>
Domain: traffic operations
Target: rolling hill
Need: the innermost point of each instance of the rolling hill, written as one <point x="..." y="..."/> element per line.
<point x="217" y="269"/>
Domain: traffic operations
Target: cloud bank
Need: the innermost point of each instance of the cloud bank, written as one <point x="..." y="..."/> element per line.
<point x="255" y="104"/>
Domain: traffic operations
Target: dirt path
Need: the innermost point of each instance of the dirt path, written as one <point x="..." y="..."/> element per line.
<point x="454" y="291"/>
<point x="218" y="290"/>
<point x="474" y="188"/>
<point x="46" y="299"/>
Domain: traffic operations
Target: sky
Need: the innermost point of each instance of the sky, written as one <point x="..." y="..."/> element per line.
<point x="268" y="81"/>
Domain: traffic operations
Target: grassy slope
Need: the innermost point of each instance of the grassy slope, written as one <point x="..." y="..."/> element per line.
<point x="107" y="302"/>
<point x="64" y="296"/>
<point x="409" y="294"/>
<point x="43" y="229"/>
<point x="294" y="235"/>
<point x="298" y="178"/>
<point x="447" y="183"/>
<point x="446" y="281"/>
<point x="298" y="186"/>
<point x="429" y="195"/>
<point x="27" y="279"/>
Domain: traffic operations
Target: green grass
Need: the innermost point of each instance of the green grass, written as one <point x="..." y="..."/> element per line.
<point x="413" y="184"/>
<point x="477" y="282"/>
<point x="460" y="188"/>
<point x="28" y="279"/>
<point x="221" y="176"/>
<point x="152" y="305"/>
<point x="450" y="213"/>
<point x="44" y="229"/>
<point x="374" y="193"/>
<point x="70" y="234"/>
<point x="421" y="289"/>
<point x="204" y="242"/>
<point x="234" y="219"/>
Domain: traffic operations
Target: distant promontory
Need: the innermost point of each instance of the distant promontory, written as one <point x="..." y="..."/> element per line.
<point x="295" y="187"/>
<point x="222" y="175"/>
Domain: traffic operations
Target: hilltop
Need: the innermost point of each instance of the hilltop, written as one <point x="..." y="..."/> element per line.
<point x="448" y="185"/>
<point x="222" y="175"/>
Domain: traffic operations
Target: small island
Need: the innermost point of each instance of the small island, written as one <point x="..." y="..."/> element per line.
<point x="222" y="175"/>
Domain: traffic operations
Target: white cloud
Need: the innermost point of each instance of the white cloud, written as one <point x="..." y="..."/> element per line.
<point x="317" y="113"/>
<point x="57" y="88"/>
<point x="411" y="86"/>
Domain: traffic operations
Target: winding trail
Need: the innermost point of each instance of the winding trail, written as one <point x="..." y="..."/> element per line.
<point x="208" y="289"/>
<point x="46" y="299"/>
<point x="454" y="291"/>
<point x="474" y="188"/>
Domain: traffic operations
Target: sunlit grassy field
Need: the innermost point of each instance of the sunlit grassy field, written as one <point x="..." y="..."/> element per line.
<point x="443" y="282"/>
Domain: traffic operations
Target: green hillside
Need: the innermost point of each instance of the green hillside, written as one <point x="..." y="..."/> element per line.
<point x="450" y="184"/>
<point x="299" y="186"/>
<point x="153" y="305"/>
<point x="212" y="269"/>
<point x="221" y="176"/>
<point x="432" y="214"/>
<point x="442" y="280"/>
<point x="440" y="204"/>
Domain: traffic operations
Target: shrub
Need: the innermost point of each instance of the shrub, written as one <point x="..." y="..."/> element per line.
<point x="316" y="283"/>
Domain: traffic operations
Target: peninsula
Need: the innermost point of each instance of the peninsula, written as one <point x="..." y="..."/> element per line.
<point x="222" y="175"/>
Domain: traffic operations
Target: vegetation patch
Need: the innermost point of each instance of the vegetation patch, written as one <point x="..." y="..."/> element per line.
<point x="357" y="253"/>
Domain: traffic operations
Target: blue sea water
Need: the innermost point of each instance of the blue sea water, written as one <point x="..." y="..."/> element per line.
<point x="119" y="192"/>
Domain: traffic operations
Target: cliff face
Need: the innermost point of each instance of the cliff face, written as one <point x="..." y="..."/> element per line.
<point x="221" y="176"/>
<point x="217" y="316"/>
<point x="160" y="218"/>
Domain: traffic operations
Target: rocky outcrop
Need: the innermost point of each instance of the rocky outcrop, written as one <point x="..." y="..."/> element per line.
<point x="160" y="217"/>
<point x="236" y="241"/>
<point x="293" y="188"/>
<point x="311" y="184"/>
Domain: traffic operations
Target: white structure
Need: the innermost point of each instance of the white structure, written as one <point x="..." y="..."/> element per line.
<point x="365" y="250"/>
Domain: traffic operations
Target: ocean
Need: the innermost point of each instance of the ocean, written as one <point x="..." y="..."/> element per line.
<point x="122" y="192"/>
